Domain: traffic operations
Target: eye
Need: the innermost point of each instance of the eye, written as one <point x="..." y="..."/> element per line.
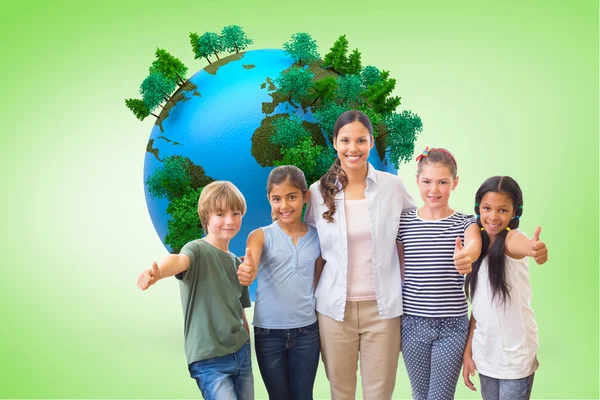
<point x="485" y="208"/>
<point x="219" y="214"/>
<point x="344" y="140"/>
<point x="363" y="140"/>
<point x="237" y="213"/>
<point x="425" y="181"/>
<point x="293" y="197"/>
<point x="503" y="210"/>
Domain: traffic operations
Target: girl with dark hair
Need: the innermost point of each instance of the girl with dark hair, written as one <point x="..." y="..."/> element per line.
<point x="435" y="324"/>
<point x="356" y="210"/>
<point x="502" y="343"/>
<point x="282" y="256"/>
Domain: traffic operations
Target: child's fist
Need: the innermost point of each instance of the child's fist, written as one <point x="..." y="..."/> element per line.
<point x="462" y="259"/>
<point x="539" y="252"/>
<point x="149" y="277"/>
<point x="468" y="371"/>
<point x="247" y="270"/>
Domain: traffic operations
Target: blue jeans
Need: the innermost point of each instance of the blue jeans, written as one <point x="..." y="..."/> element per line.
<point x="288" y="360"/>
<point x="506" y="389"/>
<point x="432" y="349"/>
<point x="225" y="378"/>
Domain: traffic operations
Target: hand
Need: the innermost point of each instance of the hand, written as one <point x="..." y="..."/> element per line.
<point x="247" y="270"/>
<point x="149" y="277"/>
<point x="462" y="259"/>
<point x="468" y="370"/>
<point x="539" y="252"/>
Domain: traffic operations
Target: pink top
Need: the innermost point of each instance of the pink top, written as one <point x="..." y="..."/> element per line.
<point x="360" y="285"/>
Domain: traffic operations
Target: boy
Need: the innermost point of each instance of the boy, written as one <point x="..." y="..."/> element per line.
<point x="217" y="343"/>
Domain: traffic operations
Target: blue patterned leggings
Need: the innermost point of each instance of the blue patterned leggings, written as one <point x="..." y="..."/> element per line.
<point x="432" y="349"/>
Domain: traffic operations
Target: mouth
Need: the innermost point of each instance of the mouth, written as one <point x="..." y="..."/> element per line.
<point x="434" y="198"/>
<point x="285" y="214"/>
<point x="492" y="227"/>
<point x="353" y="159"/>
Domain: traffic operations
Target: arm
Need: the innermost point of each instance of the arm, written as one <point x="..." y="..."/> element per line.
<point x="319" y="264"/>
<point x="245" y="323"/>
<point x="407" y="201"/>
<point x="518" y="246"/>
<point x="249" y="268"/>
<point x="171" y="265"/>
<point x="465" y="256"/>
<point x="468" y="364"/>
<point x="400" y="248"/>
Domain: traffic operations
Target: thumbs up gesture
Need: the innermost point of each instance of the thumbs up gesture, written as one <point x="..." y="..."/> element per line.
<point x="247" y="270"/>
<point x="149" y="277"/>
<point x="462" y="259"/>
<point x="539" y="251"/>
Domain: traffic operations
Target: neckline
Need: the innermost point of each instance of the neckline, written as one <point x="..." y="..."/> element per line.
<point x="433" y="220"/>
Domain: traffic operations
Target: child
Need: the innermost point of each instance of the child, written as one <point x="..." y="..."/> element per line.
<point x="356" y="210"/>
<point x="217" y="344"/>
<point x="503" y="340"/>
<point x="435" y="323"/>
<point x="286" y="334"/>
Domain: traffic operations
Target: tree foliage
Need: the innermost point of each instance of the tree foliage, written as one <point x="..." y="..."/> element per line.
<point x="195" y="42"/>
<point x="378" y="95"/>
<point x="370" y="76"/>
<point x="349" y="89"/>
<point x="327" y="115"/>
<point x="337" y="57"/>
<point x="169" y="66"/>
<point x="324" y="89"/>
<point x="304" y="156"/>
<point x="288" y="131"/>
<point x="138" y="108"/>
<point x="302" y="48"/>
<point x="154" y="89"/>
<point x="402" y="130"/>
<point x="184" y="225"/>
<point x="171" y="180"/>
<point x="354" y="64"/>
<point x="294" y="83"/>
<point x="210" y="43"/>
<point x="233" y="38"/>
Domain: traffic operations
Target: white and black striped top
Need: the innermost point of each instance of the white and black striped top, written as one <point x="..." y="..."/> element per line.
<point x="432" y="286"/>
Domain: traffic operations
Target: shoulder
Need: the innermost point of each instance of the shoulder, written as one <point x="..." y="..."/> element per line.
<point x="408" y="215"/>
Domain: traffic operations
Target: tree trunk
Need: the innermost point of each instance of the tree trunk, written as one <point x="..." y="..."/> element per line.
<point x="216" y="55"/>
<point x="208" y="60"/>
<point x="181" y="79"/>
<point x="155" y="115"/>
<point x="169" y="98"/>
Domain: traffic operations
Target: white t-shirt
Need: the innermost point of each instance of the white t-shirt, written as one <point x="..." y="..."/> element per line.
<point x="505" y="340"/>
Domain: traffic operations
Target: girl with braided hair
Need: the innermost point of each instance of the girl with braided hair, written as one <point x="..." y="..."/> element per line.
<point x="502" y="343"/>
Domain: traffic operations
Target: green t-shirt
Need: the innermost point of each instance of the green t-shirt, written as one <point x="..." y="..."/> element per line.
<point x="213" y="302"/>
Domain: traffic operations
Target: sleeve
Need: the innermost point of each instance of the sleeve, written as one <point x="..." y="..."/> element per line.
<point x="191" y="250"/>
<point x="399" y="236"/>
<point x="469" y="220"/>
<point x="309" y="213"/>
<point x="245" y="297"/>
<point x="407" y="201"/>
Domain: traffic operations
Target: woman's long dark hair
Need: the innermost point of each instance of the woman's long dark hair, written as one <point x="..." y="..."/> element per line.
<point x="328" y="187"/>
<point x="496" y="265"/>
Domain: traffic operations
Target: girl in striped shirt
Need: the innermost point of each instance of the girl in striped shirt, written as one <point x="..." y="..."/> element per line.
<point x="433" y="264"/>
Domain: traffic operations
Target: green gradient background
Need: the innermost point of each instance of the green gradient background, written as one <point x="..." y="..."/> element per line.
<point x="510" y="88"/>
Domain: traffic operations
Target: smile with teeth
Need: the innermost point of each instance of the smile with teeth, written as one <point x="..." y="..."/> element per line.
<point x="352" y="158"/>
<point x="285" y="214"/>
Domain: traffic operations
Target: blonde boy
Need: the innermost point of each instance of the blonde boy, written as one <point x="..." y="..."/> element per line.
<point x="217" y="343"/>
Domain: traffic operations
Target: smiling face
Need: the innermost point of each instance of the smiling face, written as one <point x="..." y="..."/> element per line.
<point x="353" y="144"/>
<point x="286" y="202"/>
<point x="435" y="183"/>
<point x="222" y="226"/>
<point x="496" y="211"/>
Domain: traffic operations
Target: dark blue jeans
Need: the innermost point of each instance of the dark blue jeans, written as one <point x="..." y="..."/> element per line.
<point x="505" y="389"/>
<point x="226" y="377"/>
<point x="288" y="360"/>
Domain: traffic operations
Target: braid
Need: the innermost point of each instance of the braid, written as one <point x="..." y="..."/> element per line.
<point x="329" y="189"/>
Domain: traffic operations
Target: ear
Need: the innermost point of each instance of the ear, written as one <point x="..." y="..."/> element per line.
<point x="307" y="197"/>
<point x="334" y="141"/>
<point x="372" y="141"/>
<point x="417" y="178"/>
<point x="455" y="183"/>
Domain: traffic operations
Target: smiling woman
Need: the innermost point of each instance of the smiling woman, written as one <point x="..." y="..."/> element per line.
<point x="352" y="207"/>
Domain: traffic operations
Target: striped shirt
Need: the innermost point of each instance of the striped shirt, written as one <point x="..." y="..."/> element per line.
<point x="432" y="286"/>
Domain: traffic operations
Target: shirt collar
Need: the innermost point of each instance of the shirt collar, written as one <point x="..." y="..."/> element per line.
<point x="371" y="175"/>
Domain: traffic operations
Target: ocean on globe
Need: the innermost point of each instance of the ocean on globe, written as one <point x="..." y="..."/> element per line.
<point x="213" y="125"/>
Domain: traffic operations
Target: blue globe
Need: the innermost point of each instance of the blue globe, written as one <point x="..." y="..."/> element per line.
<point x="213" y="126"/>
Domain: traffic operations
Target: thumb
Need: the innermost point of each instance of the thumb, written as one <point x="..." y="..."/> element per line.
<point x="248" y="256"/>
<point x="155" y="270"/>
<point x="536" y="234"/>
<point x="458" y="246"/>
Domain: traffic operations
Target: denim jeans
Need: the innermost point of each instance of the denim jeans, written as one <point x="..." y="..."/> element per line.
<point x="506" y="389"/>
<point x="432" y="349"/>
<point x="225" y="378"/>
<point x="288" y="360"/>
